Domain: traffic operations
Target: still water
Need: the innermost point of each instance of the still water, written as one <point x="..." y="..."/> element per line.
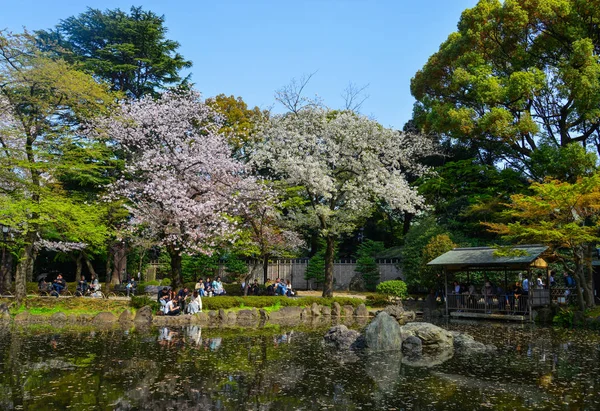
<point x="287" y="369"/>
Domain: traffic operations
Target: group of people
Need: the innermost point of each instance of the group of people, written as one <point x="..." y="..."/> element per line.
<point x="508" y="300"/>
<point x="279" y="287"/>
<point x="209" y="288"/>
<point x="176" y="303"/>
<point x="92" y="289"/>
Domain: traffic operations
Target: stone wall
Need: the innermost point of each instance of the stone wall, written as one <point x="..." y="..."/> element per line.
<point x="343" y="271"/>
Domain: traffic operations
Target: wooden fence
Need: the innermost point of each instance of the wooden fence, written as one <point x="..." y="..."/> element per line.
<point x="343" y="271"/>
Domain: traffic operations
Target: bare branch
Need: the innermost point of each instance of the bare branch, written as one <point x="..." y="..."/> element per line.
<point x="354" y="96"/>
<point x="290" y="95"/>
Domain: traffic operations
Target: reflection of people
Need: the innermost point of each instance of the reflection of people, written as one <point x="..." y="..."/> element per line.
<point x="214" y="343"/>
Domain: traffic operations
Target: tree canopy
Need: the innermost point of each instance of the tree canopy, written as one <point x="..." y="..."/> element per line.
<point x="129" y="50"/>
<point x="514" y="74"/>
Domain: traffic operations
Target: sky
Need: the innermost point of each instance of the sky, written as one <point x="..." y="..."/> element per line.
<point x="253" y="48"/>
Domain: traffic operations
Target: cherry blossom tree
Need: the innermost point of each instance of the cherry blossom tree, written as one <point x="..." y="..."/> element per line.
<point x="179" y="178"/>
<point x="344" y="164"/>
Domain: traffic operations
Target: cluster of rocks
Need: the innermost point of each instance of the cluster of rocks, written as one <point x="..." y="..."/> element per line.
<point x="419" y="343"/>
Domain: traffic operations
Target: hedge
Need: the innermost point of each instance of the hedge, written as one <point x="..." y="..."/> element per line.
<point x="226" y="302"/>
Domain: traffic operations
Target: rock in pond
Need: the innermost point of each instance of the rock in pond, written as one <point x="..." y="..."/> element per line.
<point x="143" y="316"/>
<point x="466" y="344"/>
<point x="336" y="309"/>
<point x="433" y="337"/>
<point x="412" y="346"/>
<point x="361" y="311"/>
<point x="342" y="338"/>
<point x="383" y="333"/>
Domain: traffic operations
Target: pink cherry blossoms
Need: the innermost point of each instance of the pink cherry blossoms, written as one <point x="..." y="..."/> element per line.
<point x="180" y="176"/>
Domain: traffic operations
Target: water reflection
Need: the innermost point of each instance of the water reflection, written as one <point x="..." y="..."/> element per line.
<point x="279" y="368"/>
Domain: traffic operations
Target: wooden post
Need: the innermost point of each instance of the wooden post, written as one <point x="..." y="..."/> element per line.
<point x="445" y="292"/>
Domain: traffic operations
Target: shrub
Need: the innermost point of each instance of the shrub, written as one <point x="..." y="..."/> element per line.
<point x="396" y="288"/>
<point x="153" y="282"/>
<point x="366" y="264"/>
<point x="165" y="282"/>
<point x="138" y="302"/>
<point x="377" y="300"/>
<point x="226" y="302"/>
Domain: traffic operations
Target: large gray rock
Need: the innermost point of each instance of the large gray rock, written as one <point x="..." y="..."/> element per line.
<point x="315" y="310"/>
<point x="247" y="316"/>
<point x="59" y="317"/>
<point x="412" y="346"/>
<point x="104" y="318"/>
<point x="126" y="317"/>
<point x="341" y="338"/>
<point x="361" y="311"/>
<point x="466" y="344"/>
<point x="286" y="313"/>
<point x="400" y="314"/>
<point x="433" y="337"/>
<point x="357" y="283"/>
<point x="143" y="316"/>
<point x="336" y="309"/>
<point x="22" y="317"/>
<point x="383" y="333"/>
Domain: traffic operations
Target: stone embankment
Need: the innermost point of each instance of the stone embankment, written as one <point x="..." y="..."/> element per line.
<point x="244" y="318"/>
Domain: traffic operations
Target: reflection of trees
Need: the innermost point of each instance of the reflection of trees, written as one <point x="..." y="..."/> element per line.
<point x="113" y="369"/>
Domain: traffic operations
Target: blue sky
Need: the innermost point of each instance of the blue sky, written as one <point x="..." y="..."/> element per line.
<point x="252" y="48"/>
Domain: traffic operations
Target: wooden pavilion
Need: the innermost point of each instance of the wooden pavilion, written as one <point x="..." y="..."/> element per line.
<point x="494" y="302"/>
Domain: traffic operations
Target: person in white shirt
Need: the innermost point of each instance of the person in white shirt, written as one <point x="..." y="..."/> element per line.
<point x="195" y="305"/>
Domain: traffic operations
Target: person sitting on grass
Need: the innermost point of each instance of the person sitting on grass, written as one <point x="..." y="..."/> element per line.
<point x="195" y="305"/>
<point x="280" y="287"/>
<point x="288" y="289"/>
<point x="199" y="287"/>
<point x="59" y="284"/>
<point x="208" y="289"/>
<point x="82" y="287"/>
<point x="217" y="286"/>
<point x="172" y="308"/>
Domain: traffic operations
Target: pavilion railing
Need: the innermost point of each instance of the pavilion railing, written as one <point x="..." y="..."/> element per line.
<point x="490" y="304"/>
<point x="563" y="295"/>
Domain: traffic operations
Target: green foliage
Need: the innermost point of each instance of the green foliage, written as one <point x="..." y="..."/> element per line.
<point x="377" y="300"/>
<point x="128" y="50"/>
<point x="500" y="86"/>
<point x="415" y="241"/>
<point x="165" y="282"/>
<point x="198" y="266"/>
<point x="566" y="163"/>
<point x="153" y="283"/>
<point x="366" y="264"/>
<point x="396" y="288"/>
<point x="235" y="266"/>
<point x="315" y="269"/>
<point x="138" y="302"/>
<point x="564" y="318"/>
<point x="227" y="302"/>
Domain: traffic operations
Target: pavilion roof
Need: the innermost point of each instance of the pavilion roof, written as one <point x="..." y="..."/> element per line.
<point x="484" y="258"/>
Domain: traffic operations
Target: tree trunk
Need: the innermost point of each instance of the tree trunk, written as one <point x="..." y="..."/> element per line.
<point x="249" y="276"/>
<point x="407" y="220"/>
<point x="588" y="284"/>
<point x="6" y="264"/>
<point x="176" y="274"/>
<point x="119" y="262"/>
<point x="78" y="267"/>
<point x="579" y="277"/>
<point x="265" y="268"/>
<point x="329" y="255"/>
<point x="89" y="265"/>
<point x="23" y="267"/>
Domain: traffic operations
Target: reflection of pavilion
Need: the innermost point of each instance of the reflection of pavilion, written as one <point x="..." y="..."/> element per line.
<point x="491" y="302"/>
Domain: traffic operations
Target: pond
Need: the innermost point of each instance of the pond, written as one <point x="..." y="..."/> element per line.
<point x="288" y="368"/>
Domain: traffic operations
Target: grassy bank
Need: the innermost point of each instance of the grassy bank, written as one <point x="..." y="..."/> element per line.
<point x="85" y="305"/>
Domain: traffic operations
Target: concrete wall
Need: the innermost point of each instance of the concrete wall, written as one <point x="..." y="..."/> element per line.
<point x="343" y="271"/>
